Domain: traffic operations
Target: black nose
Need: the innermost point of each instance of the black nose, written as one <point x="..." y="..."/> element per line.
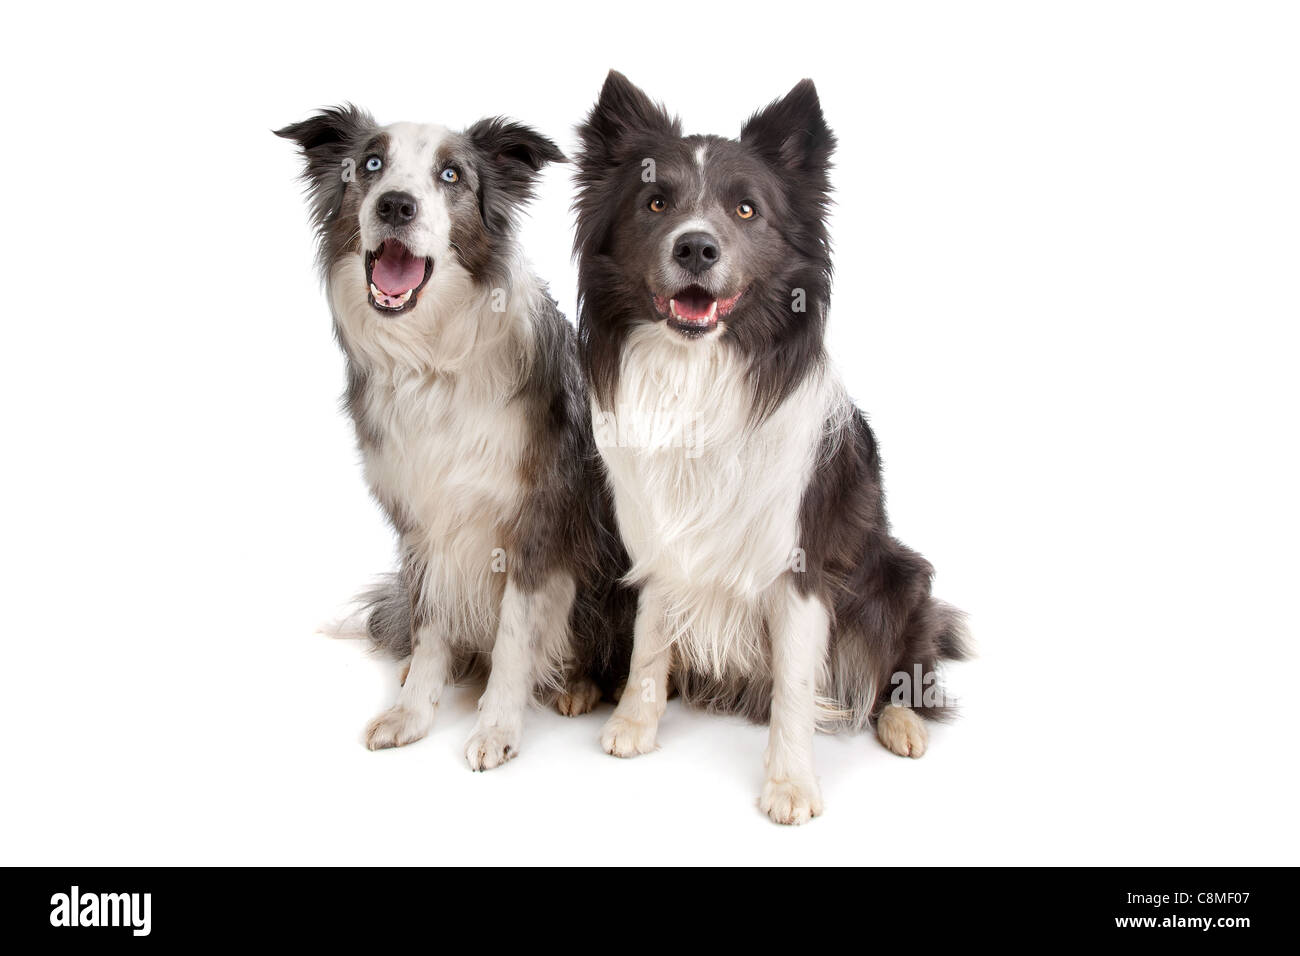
<point x="397" y="209"/>
<point x="697" y="252"/>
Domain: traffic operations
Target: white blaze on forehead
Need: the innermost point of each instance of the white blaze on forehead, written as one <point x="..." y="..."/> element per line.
<point x="703" y="198"/>
<point x="412" y="148"/>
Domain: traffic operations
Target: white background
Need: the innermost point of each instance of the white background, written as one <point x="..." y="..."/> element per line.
<point x="1067" y="244"/>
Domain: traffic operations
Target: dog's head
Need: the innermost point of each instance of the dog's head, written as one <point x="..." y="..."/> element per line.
<point x="714" y="239"/>
<point x="414" y="200"/>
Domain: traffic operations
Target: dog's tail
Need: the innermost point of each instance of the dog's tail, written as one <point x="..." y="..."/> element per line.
<point x="936" y="632"/>
<point x="386" y="608"/>
<point x="865" y="684"/>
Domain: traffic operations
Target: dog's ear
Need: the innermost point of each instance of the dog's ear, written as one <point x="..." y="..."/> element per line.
<point x="329" y="129"/>
<point x="621" y="111"/>
<point x="510" y="157"/>
<point x="791" y="132"/>
<point x="327" y="140"/>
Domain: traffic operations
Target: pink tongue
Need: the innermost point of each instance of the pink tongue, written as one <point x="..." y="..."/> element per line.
<point x="693" y="305"/>
<point x="396" y="270"/>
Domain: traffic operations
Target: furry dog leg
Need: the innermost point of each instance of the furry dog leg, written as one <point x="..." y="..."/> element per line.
<point x="635" y="723"/>
<point x="800" y="629"/>
<point x="530" y="642"/>
<point x="411" y="717"/>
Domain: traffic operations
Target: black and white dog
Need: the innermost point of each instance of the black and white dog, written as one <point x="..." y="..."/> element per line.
<point x="746" y="483"/>
<point x="471" y="414"/>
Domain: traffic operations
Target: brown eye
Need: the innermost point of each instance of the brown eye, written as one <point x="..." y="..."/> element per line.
<point x="745" y="211"/>
<point x="658" y="204"/>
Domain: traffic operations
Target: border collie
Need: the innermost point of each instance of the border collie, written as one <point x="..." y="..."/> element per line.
<point x="471" y="416"/>
<point x="746" y="484"/>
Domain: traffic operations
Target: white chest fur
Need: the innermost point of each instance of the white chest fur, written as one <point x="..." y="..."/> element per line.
<point x="450" y="440"/>
<point x="448" y="460"/>
<point x="708" y="503"/>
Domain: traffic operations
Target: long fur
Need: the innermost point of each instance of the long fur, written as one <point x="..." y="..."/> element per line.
<point x="781" y="487"/>
<point x="470" y="413"/>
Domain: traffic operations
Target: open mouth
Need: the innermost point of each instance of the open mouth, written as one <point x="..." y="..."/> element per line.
<point x="693" y="311"/>
<point x="395" y="276"/>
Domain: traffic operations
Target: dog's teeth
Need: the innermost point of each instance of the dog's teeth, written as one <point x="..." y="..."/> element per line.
<point x="374" y="290"/>
<point x="406" y="295"/>
<point x="699" y="320"/>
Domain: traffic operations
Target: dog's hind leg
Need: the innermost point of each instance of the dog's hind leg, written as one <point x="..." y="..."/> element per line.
<point x="902" y="730"/>
<point x="580" y="695"/>
<point x="411" y="717"/>
<point x="531" y="641"/>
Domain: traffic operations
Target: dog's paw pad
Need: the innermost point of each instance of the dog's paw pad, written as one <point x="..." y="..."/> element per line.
<point x="903" y="731"/>
<point x="791" y="802"/>
<point x="396" y="727"/>
<point x="579" y="697"/>
<point x="491" y="747"/>
<point x="627" y="738"/>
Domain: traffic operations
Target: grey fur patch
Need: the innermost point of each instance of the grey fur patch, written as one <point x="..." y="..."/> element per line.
<point x="565" y="520"/>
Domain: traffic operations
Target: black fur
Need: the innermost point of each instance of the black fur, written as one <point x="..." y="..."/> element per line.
<point x="782" y="156"/>
<point x="884" y="618"/>
<point x="512" y="156"/>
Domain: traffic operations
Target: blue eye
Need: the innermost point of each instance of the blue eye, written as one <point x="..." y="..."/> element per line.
<point x="374" y="164"/>
<point x="449" y="175"/>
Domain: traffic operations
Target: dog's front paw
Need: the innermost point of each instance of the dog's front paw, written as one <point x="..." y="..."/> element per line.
<point x="627" y="738"/>
<point x="791" y="802"/>
<point x="397" y="727"/>
<point x="578" y="697"/>
<point x="490" y="747"/>
<point x="902" y="730"/>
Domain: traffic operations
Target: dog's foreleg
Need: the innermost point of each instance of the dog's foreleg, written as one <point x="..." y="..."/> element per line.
<point x="426" y="675"/>
<point x="635" y="723"/>
<point x="800" y="629"/>
<point x="531" y="641"/>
